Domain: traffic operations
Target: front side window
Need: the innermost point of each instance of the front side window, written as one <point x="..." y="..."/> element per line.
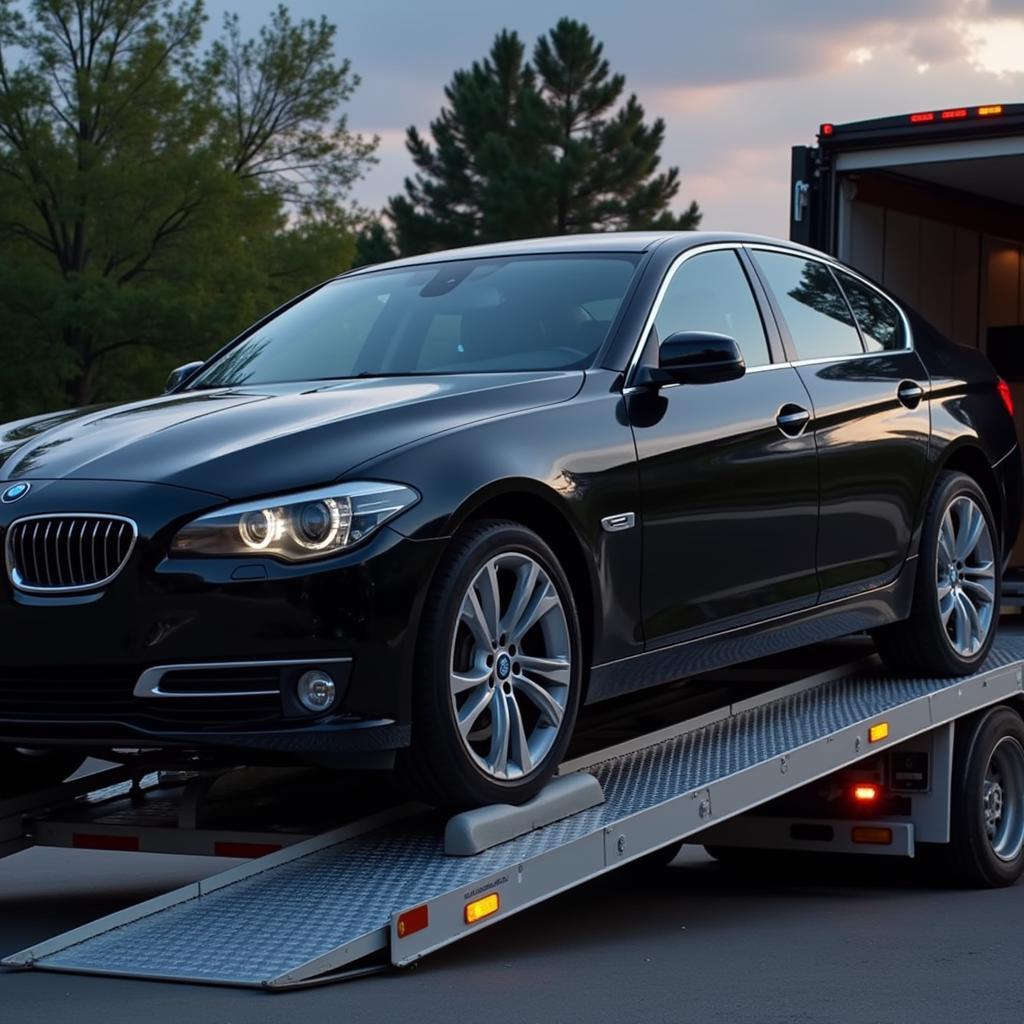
<point x="492" y="315"/>
<point x="710" y="292"/>
<point x="814" y="308"/>
<point x="880" y="322"/>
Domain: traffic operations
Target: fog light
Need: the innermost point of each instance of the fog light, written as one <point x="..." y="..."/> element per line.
<point x="316" y="690"/>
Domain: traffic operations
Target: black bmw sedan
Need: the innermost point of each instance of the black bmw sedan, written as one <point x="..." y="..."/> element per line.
<point x="426" y="510"/>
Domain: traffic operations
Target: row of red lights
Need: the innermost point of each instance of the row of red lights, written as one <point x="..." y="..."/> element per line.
<point x="929" y="116"/>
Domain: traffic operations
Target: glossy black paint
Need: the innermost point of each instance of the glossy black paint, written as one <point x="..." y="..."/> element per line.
<point x="730" y="558"/>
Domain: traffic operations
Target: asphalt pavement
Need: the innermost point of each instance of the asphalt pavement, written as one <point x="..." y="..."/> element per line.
<point x="694" y="942"/>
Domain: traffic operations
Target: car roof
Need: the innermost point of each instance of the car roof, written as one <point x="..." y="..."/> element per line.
<point x="609" y="241"/>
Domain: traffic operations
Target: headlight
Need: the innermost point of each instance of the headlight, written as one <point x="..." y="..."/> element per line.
<point x="297" y="527"/>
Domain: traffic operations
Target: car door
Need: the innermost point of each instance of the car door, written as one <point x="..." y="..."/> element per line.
<point x="869" y="394"/>
<point x="728" y="472"/>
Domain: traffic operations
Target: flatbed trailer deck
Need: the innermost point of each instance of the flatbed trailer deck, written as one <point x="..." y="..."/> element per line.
<point x="391" y="885"/>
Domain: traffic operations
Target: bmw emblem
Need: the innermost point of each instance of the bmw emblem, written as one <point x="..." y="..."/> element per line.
<point x="14" y="492"/>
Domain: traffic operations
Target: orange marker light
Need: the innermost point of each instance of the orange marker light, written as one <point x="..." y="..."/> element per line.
<point x="992" y="110"/>
<point x="413" y="921"/>
<point x="865" y="793"/>
<point x="872" y="835"/>
<point x="481" y="908"/>
<point x="878" y="732"/>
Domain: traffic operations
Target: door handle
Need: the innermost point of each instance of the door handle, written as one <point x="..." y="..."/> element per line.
<point x="792" y="419"/>
<point x="910" y="394"/>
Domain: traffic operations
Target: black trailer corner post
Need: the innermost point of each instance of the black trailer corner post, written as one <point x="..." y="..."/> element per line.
<point x="805" y="197"/>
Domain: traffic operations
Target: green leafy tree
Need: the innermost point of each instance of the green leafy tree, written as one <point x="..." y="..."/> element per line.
<point x="155" y="198"/>
<point x="525" y="148"/>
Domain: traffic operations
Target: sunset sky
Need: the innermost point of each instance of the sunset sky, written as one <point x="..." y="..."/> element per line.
<point x="737" y="81"/>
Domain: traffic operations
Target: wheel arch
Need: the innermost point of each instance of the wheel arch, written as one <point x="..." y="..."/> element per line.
<point x="970" y="460"/>
<point x="540" y="509"/>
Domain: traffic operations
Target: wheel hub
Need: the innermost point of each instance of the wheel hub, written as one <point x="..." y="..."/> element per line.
<point x="993" y="806"/>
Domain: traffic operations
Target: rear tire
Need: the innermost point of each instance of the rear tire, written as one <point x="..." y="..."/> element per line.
<point x="956" y="588"/>
<point x="24" y="770"/>
<point x="500" y="670"/>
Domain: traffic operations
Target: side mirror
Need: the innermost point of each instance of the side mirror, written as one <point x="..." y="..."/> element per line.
<point x="180" y="375"/>
<point x="695" y="357"/>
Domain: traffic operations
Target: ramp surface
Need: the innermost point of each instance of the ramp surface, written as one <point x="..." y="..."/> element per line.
<point x="328" y="901"/>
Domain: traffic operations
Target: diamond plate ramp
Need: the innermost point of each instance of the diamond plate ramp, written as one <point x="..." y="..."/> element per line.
<point x="327" y="902"/>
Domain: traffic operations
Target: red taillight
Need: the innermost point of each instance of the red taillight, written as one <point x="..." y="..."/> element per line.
<point x="1004" y="394"/>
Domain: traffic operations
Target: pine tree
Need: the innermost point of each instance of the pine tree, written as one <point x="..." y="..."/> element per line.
<point x="534" y="148"/>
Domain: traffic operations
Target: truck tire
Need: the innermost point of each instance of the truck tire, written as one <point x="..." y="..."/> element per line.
<point x="986" y="847"/>
<point x="500" y="670"/>
<point x="957" y="587"/>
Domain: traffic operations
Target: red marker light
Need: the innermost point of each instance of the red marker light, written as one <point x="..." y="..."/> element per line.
<point x="413" y="921"/>
<point x="1004" y="394"/>
<point x="922" y="118"/>
<point x="954" y="115"/>
<point x="827" y="129"/>
<point x="95" y="841"/>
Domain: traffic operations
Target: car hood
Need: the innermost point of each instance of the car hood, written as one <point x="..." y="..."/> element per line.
<point x="250" y="441"/>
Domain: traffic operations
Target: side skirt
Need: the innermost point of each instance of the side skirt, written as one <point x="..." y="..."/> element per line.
<point x="785" y="633"/>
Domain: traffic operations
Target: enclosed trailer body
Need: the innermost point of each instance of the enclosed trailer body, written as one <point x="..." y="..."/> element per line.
<point x="930" y="205"/>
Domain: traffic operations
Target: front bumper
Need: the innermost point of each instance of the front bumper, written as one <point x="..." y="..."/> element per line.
<point x="70" y="664"/>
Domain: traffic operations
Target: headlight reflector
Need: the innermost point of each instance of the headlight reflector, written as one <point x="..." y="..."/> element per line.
<point x="297" y="527"/>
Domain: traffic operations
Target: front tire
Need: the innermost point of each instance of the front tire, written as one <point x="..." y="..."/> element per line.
<point x="956" y="589"/>
<point x="500" y="670"/>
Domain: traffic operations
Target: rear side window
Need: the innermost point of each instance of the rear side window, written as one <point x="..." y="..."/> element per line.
<point x="710" y="292"/>
<point x="880" y="322"/>
<point x="814" y="308"/>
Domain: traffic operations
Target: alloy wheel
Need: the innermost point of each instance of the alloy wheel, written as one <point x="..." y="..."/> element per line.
<point x="511" y="666"/>
<point x="965" y="573"/>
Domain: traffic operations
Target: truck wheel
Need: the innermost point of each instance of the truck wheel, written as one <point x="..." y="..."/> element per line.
<point x="25" y="770"/>
<point x="956" y="590"/>
<point x="500" y="670"/>
<point x="987" y="827"/>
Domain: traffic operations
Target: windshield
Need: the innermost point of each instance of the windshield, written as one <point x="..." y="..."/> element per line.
<point x="467" y="316"/>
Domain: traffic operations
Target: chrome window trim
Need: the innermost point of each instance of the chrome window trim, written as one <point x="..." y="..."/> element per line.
<point x="828" y="261"/>
<point x="15" y="577"/>
<point x="148" y="684"/>
<point x="833" y="264"/>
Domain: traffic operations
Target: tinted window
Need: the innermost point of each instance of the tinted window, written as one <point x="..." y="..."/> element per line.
<point x="466" y="316"/>
<point x="710" y="292"/>
<point x="816" y="313"/>
<point x="880" y="322"/>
